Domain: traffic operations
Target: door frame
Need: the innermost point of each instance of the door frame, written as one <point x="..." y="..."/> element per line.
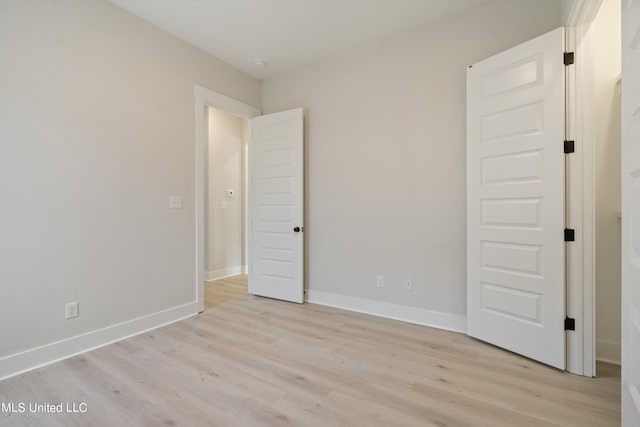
<point x="208" y="98"/>
<point x="580" y="197"/>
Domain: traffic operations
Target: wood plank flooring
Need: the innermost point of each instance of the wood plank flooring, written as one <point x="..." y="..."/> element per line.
<point x="250" y="361"/>
<point x="220" y="291"/>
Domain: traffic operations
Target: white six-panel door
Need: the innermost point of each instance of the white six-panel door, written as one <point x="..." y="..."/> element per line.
<point x="276" y="194"/>
<point x="630" y="213"/>
<point x="515" y="200"/>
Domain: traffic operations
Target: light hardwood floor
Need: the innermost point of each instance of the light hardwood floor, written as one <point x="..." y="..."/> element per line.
<point x="250" y="361"/>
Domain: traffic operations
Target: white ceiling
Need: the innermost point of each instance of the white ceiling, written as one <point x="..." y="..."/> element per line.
<point x="287" y="34"/>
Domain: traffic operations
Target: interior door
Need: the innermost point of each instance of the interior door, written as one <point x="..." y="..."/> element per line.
<point x="515" y="200"/>
<point x="631" y="213"/>
<point x="276" y="194"/>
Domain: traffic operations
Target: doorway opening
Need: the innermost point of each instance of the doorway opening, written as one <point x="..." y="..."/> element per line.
<point x="273" y="195"/>
<point x="591" y="201"/>
<point x="593" y="121"/>
<point x="207" y="100"/>
<point x="226" y="207"/>
<point x="607" y="177"/>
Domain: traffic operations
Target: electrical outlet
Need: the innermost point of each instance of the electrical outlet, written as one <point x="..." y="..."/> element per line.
<point x="71" y="310"/>
<point x="380" y="281"/>
<point x="408" y="284"/>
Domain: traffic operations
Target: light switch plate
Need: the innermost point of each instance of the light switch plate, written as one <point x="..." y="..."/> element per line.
<point x="175" y="202"/>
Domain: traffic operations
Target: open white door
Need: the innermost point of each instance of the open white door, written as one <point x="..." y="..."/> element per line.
<point x="515" y="200"/>
<point x="276" y="194"/>
<point x="631" y="213"/>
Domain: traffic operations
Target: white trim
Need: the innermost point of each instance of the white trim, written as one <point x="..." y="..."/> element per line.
<point x="580" y="208"/>
<point x="580" y="12"/>
<point x="226" y="272"/>
<point x="610" y="361"/>
<point x="608" y="351"/>
<point x="205" y="97"/>
<point x="16" y="364"/>
<point x="245" y="198"/>
<point x="419" y="316"/>
<point x="249" y="217"/>
<point x="224" y="103"/>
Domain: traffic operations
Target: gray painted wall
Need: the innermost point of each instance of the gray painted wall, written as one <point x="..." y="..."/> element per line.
<point x="385" y="153"/>
<point x="97" y="132"/>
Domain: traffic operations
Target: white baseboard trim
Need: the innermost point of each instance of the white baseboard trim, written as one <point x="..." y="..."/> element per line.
<point x="608" y="351"/>
<point x="613" y="362"/>
<point x="419" y="316"/>
<point x="18" y="363"/>
<point x="225" y="272"/>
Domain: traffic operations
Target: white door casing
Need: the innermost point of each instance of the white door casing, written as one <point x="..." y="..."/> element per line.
<point x="276" y="193"/>
<point x="515" y="199"/>
<point x="630" y="213"/>
<point x="208" y="98"/>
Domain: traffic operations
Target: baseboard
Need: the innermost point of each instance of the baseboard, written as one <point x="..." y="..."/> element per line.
<point x="16" y="364"/>
<point x="225" y="272"/>
<point x="608" y="351"/>
<point x="419" y="316"/>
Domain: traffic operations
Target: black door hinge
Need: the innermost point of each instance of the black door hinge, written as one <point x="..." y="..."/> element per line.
<point x="569" y="235"/>
<point x="569" y="324"/>
<point x="569" y="147"/>
<point x="569" y="58"/>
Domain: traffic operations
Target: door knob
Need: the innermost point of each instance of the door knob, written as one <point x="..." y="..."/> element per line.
<point x="296" y="229"/>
